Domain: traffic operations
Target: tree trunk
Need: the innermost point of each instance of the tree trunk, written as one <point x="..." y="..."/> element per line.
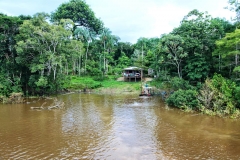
<point x="142" y="55"/>
<point x="79" y="66"/>
<point x="86" y="57"/>
<point x="67" y="68"/>
<point x="54" y="72"/>
<point x="106" y="66"/>
<point x="236" y="59"/>
<point x="104" y="62"/>
<point x="219" y="62"/>
<point x="73" y="66"/>
<point x="179" y="71"/>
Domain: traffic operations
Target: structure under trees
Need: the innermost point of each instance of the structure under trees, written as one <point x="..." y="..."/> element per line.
<point x="39" y="56"/>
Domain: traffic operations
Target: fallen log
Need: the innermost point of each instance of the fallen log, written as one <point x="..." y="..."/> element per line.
<point x="55" y="105"/>
<point x="39" y="107"/>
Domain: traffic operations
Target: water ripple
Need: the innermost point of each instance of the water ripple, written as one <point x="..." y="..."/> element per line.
<point x="109" y="127"/>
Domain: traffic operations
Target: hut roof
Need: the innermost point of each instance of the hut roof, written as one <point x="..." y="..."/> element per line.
<point x="132" y="68"/>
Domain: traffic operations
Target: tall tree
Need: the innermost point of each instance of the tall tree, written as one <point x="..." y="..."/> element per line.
<point x="80" y="13"/>
<point x="86" y="36"/>
<point x="10" y="71"/>
<point x="173" y="47"/>
<point x="234" y="6"/>
<point x="229" y="47"/>
<point x="109" y="43"/>
<point x="123" y="47"/>
<point x="73" y="51"/>
<point x="224" y="27"/>
<point x="199" y="32"/>
<point x="141" y="45"/>
<point x="39" y="45"/>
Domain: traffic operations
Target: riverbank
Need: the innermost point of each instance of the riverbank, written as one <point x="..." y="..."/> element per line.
<point x="187" y="100"/>
<point x="110" y="85"/>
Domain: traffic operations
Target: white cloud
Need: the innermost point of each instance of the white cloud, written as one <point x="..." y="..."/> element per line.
<point x="150" y="18"/>
<point x="128" y="19"/>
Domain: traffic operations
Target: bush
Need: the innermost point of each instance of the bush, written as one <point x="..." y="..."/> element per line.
<point x="117" y="71"/>
<point x="236" y="96"/>
<point x="9" y="85"/>
<point x="13" y="98"/>
<point x="183" y="99"/>
<point x="179" y="83"/>
<point x="219" y="95"/>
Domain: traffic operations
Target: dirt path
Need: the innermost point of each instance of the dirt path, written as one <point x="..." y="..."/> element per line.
<point x="120" y="79"/>
<point x="147" y="79"/>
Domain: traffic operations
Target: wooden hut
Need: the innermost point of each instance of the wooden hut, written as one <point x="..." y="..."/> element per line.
<point x="132" y="74"/>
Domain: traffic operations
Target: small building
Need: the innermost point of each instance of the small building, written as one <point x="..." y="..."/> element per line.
<point x="132" y="73"/>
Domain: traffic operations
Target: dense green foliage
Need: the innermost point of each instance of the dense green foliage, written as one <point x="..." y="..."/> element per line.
<point x="37" y="57"/>
<point x="10" y="72"/>
<point x="184" y="99"/>
<point x="80" y="13"/>
<point x="197" y="63"/>
<point x="219" y="95"/>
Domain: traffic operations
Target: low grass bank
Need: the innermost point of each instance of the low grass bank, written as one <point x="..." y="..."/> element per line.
<point x="106" y="85"/>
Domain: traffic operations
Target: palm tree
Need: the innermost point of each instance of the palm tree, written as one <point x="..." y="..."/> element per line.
<point x="87" y="36"/>
<point x="105" y="37"/>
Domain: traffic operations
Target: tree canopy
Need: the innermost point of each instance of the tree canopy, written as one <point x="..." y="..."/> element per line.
<point x="80" y="13"/>
<point x="38" y="56"/>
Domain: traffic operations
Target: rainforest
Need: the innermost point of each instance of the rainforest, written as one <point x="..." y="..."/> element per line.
<point x="197" y="63"/>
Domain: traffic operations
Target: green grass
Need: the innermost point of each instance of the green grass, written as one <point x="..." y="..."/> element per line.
<point x="96" y="83"/>
<point x="82" y="83"/>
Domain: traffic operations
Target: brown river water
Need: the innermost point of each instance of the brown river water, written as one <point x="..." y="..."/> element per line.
<point x="124" y="127"/>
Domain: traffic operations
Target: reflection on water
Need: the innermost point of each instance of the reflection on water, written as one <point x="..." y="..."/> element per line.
<point x="114" y="127"/>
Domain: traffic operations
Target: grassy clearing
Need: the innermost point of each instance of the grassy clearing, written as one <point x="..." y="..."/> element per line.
<point x="78" y="83"/>
<point x="107" y="85"/>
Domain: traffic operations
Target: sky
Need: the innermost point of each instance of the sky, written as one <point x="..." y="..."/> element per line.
<point x="128" y="19"/>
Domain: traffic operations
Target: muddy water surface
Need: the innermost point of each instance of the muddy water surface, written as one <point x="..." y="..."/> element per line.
<point x="114" y="127"/>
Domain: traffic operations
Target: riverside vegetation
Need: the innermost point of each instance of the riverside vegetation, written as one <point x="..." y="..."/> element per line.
<point x="197" y="63"/>
<point x="106" y="85"/>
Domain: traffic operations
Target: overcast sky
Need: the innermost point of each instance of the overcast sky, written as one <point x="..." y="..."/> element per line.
<point x="128" y="19"/>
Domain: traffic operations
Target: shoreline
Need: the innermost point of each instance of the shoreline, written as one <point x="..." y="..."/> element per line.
<point x="107" y="91"/>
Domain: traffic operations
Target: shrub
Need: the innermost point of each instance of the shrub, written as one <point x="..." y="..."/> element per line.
<point x="9" y="85"/>
<point x="236" y="96"/>
<point x="13" y="98"/>
<point x="183" y="99"/>
<point x="219" y="95"/>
